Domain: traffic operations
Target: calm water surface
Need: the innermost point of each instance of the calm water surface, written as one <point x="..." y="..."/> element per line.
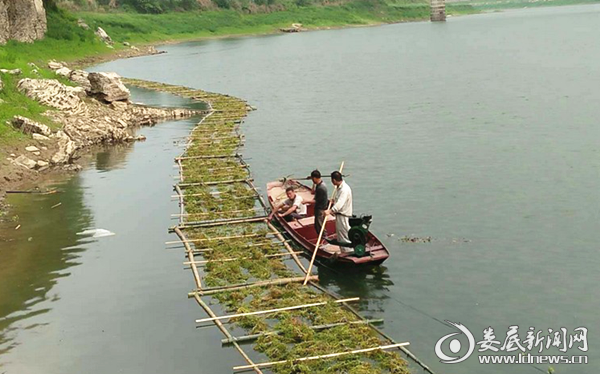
<point x="481" y="133"/>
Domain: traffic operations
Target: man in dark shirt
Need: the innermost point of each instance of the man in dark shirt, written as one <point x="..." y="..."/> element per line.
<point x="321" y="200"/>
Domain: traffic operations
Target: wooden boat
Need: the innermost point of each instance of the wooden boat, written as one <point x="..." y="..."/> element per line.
<point x="304" y="233"/>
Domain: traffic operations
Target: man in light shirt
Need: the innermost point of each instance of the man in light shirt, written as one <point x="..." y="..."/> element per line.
<point x="292" y="208"/>
<point x="342" y="209"/>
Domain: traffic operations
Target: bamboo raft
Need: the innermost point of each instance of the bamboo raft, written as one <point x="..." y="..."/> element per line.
<point x="250" y="269"/>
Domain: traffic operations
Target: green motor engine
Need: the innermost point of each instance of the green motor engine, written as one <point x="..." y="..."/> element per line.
<point x="359" y="233"/>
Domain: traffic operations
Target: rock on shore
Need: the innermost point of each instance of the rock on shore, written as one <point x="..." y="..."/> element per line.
<point x="108" y="87"/>
<point x="98" y="111"/>
<point x="22" y="20"/>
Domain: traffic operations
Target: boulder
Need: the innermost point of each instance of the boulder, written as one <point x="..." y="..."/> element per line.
<point x="22" y="20"/>
<point x="40" y="137"/>
<point x="4" y="25"/>
<point x="25" y="162"/>
<point x="81" y="78"/>
<point x="64" y="71"/>
<point x="11" y="71"/>
<point x="28" y="126"/>
<point x="53" y="93"/>
<point x="108" y="86"/>
<point x="66" y="148"/>
<point x="81" y="23"/>
<point x="104" y="36"/>
<point x="55" y="65"/>
<point x="42" y="164"/>
<point x="32" y="148"/>
<point x="1" y="84"/>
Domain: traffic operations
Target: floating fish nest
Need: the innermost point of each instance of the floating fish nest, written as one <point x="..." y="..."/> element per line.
<point x="241" y="262"/>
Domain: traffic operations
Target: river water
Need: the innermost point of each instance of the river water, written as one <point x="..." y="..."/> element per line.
<point x="480" y="133"/>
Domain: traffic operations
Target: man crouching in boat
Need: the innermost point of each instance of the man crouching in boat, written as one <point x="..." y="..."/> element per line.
<point x="342" y="209"/>
<point x="290" y="209"/>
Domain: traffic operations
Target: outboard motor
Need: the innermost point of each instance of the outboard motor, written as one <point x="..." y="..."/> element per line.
<point x="359" y="233"/>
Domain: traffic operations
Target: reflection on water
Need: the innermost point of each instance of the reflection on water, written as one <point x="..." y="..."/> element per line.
<point x="36" y="255"/>
<point x="371" y="284"/>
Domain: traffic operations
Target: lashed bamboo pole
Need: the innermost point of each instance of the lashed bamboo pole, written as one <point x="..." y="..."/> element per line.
<point x="191" y="258"/>
<point x="235" y="155"/>
<point x="254" y="245"/>
<point x="211" y="183"/>
<point x="243" y="286"/>
<point x="321" y="357"/>
<point x="318" y="243"/>
<point x="221" y="222"/>
<point x="218" y="238"/>
<point x="248" y="338"/>
<point x="269" y="311"/>
<point x="204" y="262"/>
<point x="221" y="327"/>
<point x="287" y="246"/>
<point x="181" y="203"/>
<point x="209" y="213"/>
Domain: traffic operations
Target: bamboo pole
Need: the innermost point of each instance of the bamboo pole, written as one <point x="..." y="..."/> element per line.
<point x="199" y="251"/>
<point x="235" y="155"/>
<point x="181" y="202"/>
<point x="243" y="286"/>
<point x="248" y="338"/>
<point x="204" y="262"/>
<point x="221" y="327"/>
<point x="275" y="310"/>
<point x="209" y="213"/>
<point x="287" y="246"/>
<point x="220" y="222"/>
<point x="318" y="243"/>
<point x="191" y="258"/>
<point x="311" y="358"/>
<point x="230" y="181"/>
<point x="218" y="238"/>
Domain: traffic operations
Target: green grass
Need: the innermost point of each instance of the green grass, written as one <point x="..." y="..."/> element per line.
<point x="138" y="28"/>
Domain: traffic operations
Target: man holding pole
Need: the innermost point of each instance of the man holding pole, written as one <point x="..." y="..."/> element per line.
<point x="342" y="209"/>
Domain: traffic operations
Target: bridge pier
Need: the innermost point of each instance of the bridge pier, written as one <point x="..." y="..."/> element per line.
<point x="438" y="10"/>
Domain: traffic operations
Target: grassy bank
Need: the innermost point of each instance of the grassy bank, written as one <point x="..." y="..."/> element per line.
<point x="136" y="28"/>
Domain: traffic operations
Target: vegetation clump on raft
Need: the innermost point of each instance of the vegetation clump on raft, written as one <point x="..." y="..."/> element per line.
<point x="214" y="186"/>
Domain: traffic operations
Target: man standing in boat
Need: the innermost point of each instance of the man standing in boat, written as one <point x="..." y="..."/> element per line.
<point x="320" y="200"/>
<point x="342" y="209"/>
